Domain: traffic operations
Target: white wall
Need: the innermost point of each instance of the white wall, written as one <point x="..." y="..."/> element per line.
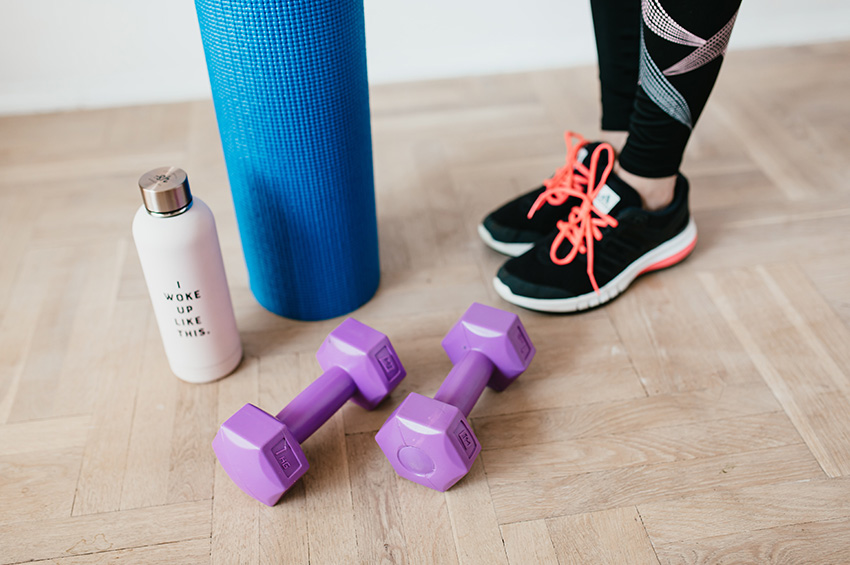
<point x="64" y="54"/>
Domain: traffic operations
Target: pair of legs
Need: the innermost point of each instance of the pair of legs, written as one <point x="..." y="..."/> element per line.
<point x="620" y="209"/>
<point x="658" y="61"/>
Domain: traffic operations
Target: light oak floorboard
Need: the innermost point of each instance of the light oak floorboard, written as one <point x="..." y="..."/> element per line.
<point x="610" y="536"/>
<point x="529" y="542"/>
<point x="815" y="543"/>
<point x="97" y="533"/>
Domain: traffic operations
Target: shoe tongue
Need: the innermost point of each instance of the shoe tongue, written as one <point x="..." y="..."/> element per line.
<point x="615" y="196"/>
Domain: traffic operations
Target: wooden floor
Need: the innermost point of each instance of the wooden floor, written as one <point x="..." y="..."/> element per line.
<point x="704" y="417"/>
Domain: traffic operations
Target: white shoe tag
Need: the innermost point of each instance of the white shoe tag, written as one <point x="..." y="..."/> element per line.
<point x="606" y="199"/>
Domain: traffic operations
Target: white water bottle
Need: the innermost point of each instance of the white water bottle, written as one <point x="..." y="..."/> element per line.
<point x="178" y="247"/>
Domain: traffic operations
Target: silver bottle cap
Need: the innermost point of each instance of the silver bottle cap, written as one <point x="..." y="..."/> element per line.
<point x="165" y="191"/>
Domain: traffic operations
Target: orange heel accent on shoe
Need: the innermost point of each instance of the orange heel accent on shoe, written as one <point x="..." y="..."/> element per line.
<point x="672" y="260"/>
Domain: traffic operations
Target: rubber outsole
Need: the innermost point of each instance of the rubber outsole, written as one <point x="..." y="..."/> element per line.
<point x="509" y="249"/>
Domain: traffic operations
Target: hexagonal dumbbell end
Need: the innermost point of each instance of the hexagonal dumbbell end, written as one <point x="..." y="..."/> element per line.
<point x="368" y="356"/>
<point x="497" y="334"/>
<point x="429" y="441"/>
<point x="262" y="453"/>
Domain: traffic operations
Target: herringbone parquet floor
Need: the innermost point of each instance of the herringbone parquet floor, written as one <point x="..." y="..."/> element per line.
<point x="703" y="417"/>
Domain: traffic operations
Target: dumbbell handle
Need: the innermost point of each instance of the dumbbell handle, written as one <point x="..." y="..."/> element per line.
<point x="317" y="403"/>
<point x="466" y="381"/>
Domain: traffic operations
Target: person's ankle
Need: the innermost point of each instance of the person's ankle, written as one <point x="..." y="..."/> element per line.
<point x="655" y="193"/>
<point x="617" y="139"/>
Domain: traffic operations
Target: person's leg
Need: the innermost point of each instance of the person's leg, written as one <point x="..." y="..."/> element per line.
<point x="628" y="214"/>
<point x="682" y="43"/>
<point x="616" y="25"/>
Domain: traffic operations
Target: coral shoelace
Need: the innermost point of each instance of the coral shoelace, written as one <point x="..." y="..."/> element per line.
<point x="580" y="228"/>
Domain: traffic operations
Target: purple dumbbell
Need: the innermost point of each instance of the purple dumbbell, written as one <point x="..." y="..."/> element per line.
<point x="262" y="453"/>
<point x="428" y="440"/>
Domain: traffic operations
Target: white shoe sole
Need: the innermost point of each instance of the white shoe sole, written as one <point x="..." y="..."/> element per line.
<point x="668" y="253"/>
<point x="510" y="249"/>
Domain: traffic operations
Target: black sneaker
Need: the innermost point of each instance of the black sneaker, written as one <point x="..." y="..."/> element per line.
<point x="595" y="254"/>
<point x="510" y="231"/>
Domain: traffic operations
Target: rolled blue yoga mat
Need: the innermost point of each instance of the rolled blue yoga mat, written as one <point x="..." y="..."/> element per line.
<point x="291" y="97"/>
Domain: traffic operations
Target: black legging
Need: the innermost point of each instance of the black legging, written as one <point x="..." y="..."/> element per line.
<point x="658" y="61"/>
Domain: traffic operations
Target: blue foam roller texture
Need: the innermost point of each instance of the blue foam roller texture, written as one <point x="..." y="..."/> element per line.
<point x="291" y="98"/>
